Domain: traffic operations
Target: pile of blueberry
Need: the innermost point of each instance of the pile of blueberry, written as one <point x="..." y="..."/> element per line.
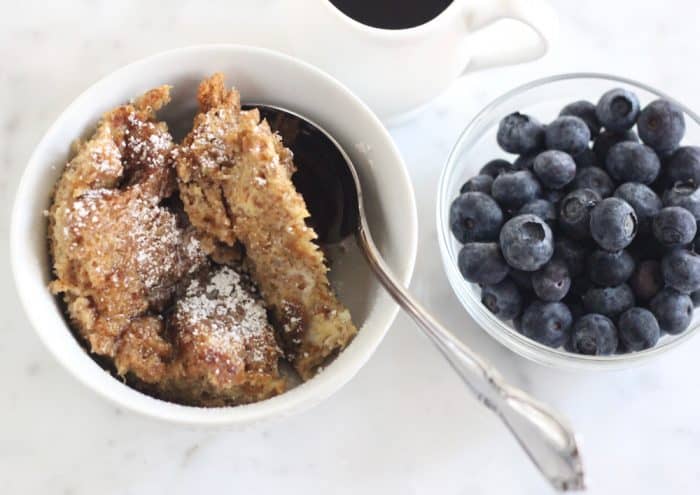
<point x="588" y="239"/>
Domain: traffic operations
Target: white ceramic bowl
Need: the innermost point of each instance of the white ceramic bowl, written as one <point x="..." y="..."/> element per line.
<point x="262" y="76"/>
<point x="543" y="99"/>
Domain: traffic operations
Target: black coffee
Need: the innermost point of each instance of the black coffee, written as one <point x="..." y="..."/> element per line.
<point x="392" y="14"/>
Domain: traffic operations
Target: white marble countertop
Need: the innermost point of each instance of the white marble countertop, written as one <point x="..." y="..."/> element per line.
<point x="405" y="424"/>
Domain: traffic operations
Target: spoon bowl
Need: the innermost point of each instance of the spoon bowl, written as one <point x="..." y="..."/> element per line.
<point x="325" y="176"/>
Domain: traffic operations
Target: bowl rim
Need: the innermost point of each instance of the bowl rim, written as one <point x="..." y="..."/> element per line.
<point x="309" y="393"/>
<point x="500" y="330"/>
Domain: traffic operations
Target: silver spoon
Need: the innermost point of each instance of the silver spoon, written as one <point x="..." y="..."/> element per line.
<point x="331" y="188"/>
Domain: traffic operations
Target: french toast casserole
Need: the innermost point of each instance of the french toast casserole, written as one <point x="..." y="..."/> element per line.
<point x="189" y="269"/>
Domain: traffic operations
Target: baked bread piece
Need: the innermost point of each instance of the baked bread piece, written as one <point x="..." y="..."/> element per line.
<point x="235" y="182"/>
<point x="117" y="255"/>
<point x="226" y="349"/>
<point x="121" y="258"/>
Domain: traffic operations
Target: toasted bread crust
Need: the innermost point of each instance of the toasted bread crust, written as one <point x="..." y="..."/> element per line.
<point x="234" y="176"/>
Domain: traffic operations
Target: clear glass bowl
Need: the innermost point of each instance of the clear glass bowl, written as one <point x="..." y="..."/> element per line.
<point x="542" y="99"/>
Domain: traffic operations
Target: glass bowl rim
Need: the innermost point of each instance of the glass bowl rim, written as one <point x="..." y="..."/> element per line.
<point x="501" y="330"/>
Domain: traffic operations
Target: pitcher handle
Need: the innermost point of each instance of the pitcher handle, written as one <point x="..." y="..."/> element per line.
<point x="537" y="14"/>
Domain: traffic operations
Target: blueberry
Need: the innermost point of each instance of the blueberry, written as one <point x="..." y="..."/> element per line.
<point x="526" y="242"/>
<point x="632" y="162"/>
<point x="514" y="189"/>
<point x="586" y="111"/>
<point x="686" y="195"/>
<point x="665" y="155"/>
<point x="681" y="270"/>
<point x="673" y="310"/>
<point x="517" y="323"/>
<point x="482" y="263"/>
<point x="541" y="208"/>
<point x="587" y="158"/>
<point x="502" y="299"/>
<point x="567" y="133"/>
<point x="661" y="125"/>
<point x="594" y="335"/>
<point x="552" y="281"/>
<point x="478" y="183"/>
<point x="496" y="167"/>
<point x="526" y="161"/>
<point x="555" y="169"/>
<point x="683" y="165"/>
<point x="674" y="226"/>
<point x="613" y="224"/>
<point x="519" y="133"/>
<point x="521" y="278"/>
<point x="574" y="253"/>
<point x="607" y="139"/>
<point x="646" y="281"/>
<point x="547" y="323"/>
<point x="596" y="179"/>
<point x="610" y="269"/>
<point x="474" y="216"/>
<point x="608" y="301"/>
<point x="638" y="329"/>
<point x="645" y="202"/>
<point x="617" y="109"/>
<point x="553" y="195"/>
<point x="695" y="297"/>
<point x="574" y="212"/>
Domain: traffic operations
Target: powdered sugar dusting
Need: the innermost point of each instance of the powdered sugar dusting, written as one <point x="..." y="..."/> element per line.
<point x="208" y="145"/>
<point x="161" y="250"/>
<point x="224" y="315"/>
<point x="147" y="144"/>
<point x="85" y="208"/>
<point x="212" y="147"/>
<point x="156" y="237"/>
<point x="106" y="158"/>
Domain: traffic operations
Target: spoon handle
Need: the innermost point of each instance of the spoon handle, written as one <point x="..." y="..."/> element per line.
<point x="547" y="439"/>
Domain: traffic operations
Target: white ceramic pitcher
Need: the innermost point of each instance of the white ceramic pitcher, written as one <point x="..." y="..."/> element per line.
<point x="398" y="71"/>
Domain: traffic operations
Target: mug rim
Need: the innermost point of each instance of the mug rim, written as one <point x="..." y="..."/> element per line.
<point x="136" y="401"/>
<point x="387" y="32"/>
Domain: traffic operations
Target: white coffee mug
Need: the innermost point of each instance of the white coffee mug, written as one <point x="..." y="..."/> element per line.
<point x="398" y="71"/>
